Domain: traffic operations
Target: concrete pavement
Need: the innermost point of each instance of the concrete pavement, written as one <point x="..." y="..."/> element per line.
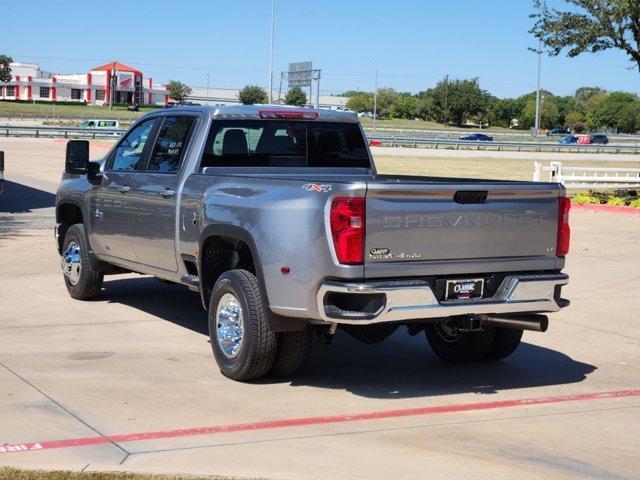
<point x="125" y="371"/>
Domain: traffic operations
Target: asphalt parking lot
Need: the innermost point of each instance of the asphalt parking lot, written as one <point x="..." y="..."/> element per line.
<point x="128" y="381"/>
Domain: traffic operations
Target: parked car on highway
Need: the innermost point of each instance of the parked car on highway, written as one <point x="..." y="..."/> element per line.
<point x="100" y="123"/>
<point x="559" y="131"/>
<point x="569" y="139"/>
<point x="600" y="139"/>
<point x="279" y="219"/>
<point x="480" y="137"/>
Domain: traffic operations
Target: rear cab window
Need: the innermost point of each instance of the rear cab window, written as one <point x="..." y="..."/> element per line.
<point x="284" y="143"/>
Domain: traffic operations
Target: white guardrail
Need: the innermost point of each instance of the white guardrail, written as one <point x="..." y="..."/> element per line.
<point x="587" y="177"/>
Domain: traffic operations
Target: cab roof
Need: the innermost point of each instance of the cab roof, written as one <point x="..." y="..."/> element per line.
<point x="252" y="112"/>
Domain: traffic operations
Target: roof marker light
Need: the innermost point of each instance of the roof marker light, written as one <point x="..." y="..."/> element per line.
<point x="288" y="114"/>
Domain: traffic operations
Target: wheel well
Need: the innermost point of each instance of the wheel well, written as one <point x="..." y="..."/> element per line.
<point x="221" y="254"/>
<point x="67" y="214"/>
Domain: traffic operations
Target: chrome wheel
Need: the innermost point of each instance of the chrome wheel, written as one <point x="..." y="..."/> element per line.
<point x="72" y="263"/>
<point x="229" y="325"/>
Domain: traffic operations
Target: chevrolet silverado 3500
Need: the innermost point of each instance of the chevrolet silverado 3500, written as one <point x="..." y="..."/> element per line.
<point x="278" y="218"/>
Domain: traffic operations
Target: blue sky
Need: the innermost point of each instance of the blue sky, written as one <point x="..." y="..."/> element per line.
<point x="412" y="43"/>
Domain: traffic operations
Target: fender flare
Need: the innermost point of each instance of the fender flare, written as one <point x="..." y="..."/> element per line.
<point x="277" y="323"/>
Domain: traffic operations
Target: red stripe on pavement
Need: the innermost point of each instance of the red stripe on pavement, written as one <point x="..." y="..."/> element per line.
<point x="301" y="422"/>
<point x="606" y="208"/>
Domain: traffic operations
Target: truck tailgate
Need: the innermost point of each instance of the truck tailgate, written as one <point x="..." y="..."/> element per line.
<point x="410" y="223"/>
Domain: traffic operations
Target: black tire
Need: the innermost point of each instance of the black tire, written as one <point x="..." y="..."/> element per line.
<point x="257" y="349"/>
<point x="89" y="282"/>
<point x="292" y="354"/>
<point x="505" y="342"/>
<point x="459" y="347"/>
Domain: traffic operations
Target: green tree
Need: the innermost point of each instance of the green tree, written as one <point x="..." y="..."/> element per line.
<point x="505" y="110"/>
<point x="584" y="95"/>
<point x="619" y="110"/>
<point x="5" y="69"/>
<point x="589" y="26"/>
<point x="178" y="90"/>
<point x="387" y="98"/>
<point x="549" y="112"/>
<point x="405" y="107"/>
<point x="296" y="96"/>
<point x="252" y="94"/>
<point x="459" y="100"/>
<point x="360" y="102"/>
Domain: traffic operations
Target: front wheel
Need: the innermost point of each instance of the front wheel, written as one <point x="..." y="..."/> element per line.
<point x="242" y="343"/>
<point x="456" y="346"/>
<point x="81" y="280"/>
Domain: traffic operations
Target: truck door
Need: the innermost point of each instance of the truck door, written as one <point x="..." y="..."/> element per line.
<point x="110" y="205"/>
<point x="153" y="197"/>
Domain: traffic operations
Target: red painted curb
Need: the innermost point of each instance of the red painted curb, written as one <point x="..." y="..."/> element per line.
<point x="606" y="208"/>
<point x="301" y="422"/>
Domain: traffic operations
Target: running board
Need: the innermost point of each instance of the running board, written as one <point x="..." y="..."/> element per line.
<point x="193" y="280"/>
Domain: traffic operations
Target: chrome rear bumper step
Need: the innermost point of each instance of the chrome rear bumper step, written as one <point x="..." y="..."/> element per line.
<point x="396" y="301"/>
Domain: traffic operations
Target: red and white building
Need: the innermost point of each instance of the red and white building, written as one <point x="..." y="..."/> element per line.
<point x="112" y="82"/>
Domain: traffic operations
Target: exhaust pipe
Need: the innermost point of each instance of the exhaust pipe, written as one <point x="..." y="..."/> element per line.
<point x="537" y="323"/>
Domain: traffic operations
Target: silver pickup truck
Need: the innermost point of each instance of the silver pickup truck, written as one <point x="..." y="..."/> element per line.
<point x="278" y="218"/>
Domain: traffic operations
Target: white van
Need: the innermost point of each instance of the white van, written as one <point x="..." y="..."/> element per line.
<point x="100" y="123"/>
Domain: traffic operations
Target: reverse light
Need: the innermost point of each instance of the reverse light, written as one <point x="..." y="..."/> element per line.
<point x="347" y="219"/>
<point x="288" y="114"/>
<point x="564" y="232"/>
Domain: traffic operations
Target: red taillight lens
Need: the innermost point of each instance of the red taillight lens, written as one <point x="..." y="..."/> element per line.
<point x="347" y="229"/>
<point x="564" y="233"/>
<point x="288" y="114"/>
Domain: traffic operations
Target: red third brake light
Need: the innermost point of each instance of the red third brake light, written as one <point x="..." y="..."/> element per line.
<point x="564" y="233"/>
<point x="288" y="114"/>
<point x="348" y="229"/>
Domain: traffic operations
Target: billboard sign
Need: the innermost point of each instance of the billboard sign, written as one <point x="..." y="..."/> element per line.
<point x="300" y="74"/>
<point x="125" y="81"/>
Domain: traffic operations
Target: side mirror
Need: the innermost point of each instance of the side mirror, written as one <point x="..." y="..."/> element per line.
<point x="77" y="159"/>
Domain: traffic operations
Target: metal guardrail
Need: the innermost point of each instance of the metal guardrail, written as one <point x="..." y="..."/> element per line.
<point x="588" y="177"/>
<point x="423" y="142"/>
<point x="415" y="142"/>
<point x="453" y="134"/>
<point x="55" y="131"/>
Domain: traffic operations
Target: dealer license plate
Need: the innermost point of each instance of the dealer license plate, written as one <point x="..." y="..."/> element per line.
<point x="464" y="289"/>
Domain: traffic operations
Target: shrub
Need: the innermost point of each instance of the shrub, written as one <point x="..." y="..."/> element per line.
<point x="617" y="202"/>
<point x="586" y="199"/>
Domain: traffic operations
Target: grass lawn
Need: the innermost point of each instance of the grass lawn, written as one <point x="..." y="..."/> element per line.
<point x="425" y="125"/>
<point x="77" y="111"/>
<point x="15" y="474"/>
<point x="483" y="167"/>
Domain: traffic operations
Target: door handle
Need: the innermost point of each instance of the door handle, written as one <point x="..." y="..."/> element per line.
<point x="167" y="192"/>
<point x="124" y="189"/>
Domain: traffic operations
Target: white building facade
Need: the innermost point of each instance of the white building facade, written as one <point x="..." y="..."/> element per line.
<point x="115" y="83"/>
<point x="110" y="83"/>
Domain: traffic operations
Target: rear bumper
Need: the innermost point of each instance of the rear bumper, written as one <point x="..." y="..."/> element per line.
<point x="395" y="301"/>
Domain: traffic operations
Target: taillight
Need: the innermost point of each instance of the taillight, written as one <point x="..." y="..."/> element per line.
<point x="564" y="233"/>
<point x="348" y="229"/>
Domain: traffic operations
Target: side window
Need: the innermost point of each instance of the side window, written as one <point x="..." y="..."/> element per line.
<point x="129" y="152"/>
<point x="169" y="148"/>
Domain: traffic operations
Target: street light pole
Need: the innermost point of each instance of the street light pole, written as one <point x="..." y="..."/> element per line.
<point x="537" y="123"/>
<point x="271" y="52"/>
<point x="446" y="98"/>
<point x="207" y="89"/>
<point x="375" y="101"/>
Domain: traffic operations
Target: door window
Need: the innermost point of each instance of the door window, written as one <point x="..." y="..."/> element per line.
<point x="130" y="150"/>
<point x="169" y="148"/>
